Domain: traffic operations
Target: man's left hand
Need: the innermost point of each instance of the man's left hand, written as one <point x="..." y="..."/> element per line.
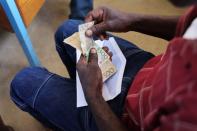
<point x="90" y="75"/>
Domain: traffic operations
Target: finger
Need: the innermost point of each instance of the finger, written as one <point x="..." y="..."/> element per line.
<point x="103" y="36"/>
<point x="89" y="17"/>
<point x="110" y="54"/>
<point x="97" y="29"/>
<point x="93" y="57"/>
<point x="106" y="49"/>
<point x="98" y="15"/>
<point x="89" y="33"/>
<point x="82" y="59"/>
<point x="95" y="15"/>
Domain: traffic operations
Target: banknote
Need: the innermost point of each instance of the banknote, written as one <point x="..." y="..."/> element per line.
<point x="86" y="42"/>
<point x="83" y="43"/>
<point x="102" y="55"/>
<point x="74" y="41"/>
<point x="104" y="62"/>
<point x="107" y="69"/>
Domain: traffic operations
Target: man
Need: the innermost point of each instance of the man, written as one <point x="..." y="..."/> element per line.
<point x="157" y="93"/>
<point x="79" y="9"/>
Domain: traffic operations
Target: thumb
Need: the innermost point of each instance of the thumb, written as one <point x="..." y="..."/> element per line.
<point x="93" y="57"/>
<point x="97" y="29"/>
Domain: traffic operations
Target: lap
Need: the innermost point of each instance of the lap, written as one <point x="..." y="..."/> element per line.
<point x="52" y="98"/>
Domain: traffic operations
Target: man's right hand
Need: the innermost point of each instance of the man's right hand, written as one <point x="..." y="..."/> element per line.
<point x="107" y="19"/>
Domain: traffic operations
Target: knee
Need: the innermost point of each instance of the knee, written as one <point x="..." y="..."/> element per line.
<point x="66" y="29"/>
<point x="27" y="78"/>
<point x="24" y="84"/>
<point x="18" y="80"/>
<point x="17" y="87"/>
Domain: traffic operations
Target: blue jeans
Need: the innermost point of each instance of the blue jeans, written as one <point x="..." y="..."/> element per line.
<point x="80" y="8"/>
<point x="51" y="99"/>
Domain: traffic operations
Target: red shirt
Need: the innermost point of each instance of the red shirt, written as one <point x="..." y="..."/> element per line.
<point x="163" y="96"/>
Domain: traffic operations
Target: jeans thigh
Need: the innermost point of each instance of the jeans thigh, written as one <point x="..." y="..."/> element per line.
<point x="66" y="52"/>
<point x="80" y="8"/>
<point x="57" y="102"/>
<point x="50" y="98"/>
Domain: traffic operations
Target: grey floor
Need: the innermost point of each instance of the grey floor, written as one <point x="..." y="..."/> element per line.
<point x="41" y="31"/>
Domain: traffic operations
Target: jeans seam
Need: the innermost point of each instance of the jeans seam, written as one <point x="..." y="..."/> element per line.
<point x="34" y="101"/>
<point x="18" y="103"/>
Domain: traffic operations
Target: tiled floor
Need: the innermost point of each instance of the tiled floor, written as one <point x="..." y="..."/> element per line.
<point x="41" y="32"/>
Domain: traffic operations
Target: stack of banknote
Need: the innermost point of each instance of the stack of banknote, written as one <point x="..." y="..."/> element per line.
<point x="83" y="43"/>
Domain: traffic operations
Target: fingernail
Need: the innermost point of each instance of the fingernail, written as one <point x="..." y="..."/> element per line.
<point x="89" y="33"/>
<point x="102" y="37"/>
<point x="93" y="50"/>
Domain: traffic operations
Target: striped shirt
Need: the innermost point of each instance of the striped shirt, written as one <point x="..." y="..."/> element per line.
<point x="163" y="96"/>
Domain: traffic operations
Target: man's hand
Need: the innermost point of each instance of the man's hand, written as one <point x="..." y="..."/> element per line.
<point x="90" y="75"/>
<point x="91" y="80"/>
<point x="107" y="19"/>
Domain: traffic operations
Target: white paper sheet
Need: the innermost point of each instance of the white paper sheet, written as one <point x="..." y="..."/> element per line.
<point x="111" y="87"/>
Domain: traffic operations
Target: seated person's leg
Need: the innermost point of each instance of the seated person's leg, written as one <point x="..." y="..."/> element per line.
<point x="66" y="52"/>
<point x="80" y="8"/>
<point x="49" y="98"/>
<point x="56" y="96"/>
